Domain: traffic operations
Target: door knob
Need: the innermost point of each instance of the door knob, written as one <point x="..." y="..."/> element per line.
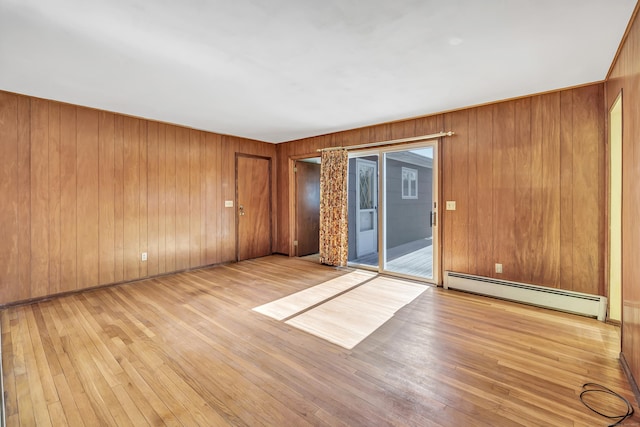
<point x="241" y="210"/>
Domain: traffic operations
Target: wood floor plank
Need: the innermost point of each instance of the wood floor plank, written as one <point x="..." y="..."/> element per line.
<point x="349" y="318"/>
<point x="302" y="300"/>
<point x="187" y="349"/>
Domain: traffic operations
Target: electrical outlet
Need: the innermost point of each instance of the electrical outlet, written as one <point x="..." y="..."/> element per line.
<point x="498" y="268"/>
<point x="143" y="257"/>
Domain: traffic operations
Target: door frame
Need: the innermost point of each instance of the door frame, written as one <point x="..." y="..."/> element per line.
<point x="293" y="208"/>
<point x="237" y="208"/>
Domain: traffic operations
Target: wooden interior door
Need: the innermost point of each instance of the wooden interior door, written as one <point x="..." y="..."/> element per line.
<point x="253" y="206"/>
<point x="307" y="208"/>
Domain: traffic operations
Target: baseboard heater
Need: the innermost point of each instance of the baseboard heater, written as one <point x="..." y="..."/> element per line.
<point x="557" y="299"/>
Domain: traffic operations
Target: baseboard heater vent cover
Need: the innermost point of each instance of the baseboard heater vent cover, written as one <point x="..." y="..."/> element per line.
<point x="557" y="299"/>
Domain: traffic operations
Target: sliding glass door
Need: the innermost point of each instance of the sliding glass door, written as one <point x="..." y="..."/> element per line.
<point x="393" y="215"/>
<point x="409" y="212"/>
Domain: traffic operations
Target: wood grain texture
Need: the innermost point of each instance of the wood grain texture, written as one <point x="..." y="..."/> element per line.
<point x="195" y="198"/>
<point x="254" y="210"/>
<point x="153" y="198"/>
<point x="9" y="188"/>
<point x="54" y="197"/>
<point x="143" y="197"/>
<point x="68" y="199"/>
<point x="170" y="196"/>
<point x="24" y="199"/>
<point x="106" y="189"/>
<point x="183" y="217"/>
<point x="84" y="192"/>
<point x="187" y="349"/>
<point x="523" y="191"/>
<point x="504" y="215"/>
<point x="131" y="177"/>
<point x="517" y="170"/>
<point x="39" y="197"/>
<point x="118" y="198"/>
<point x="483" y="186"/>
<point x="625" y="78"/>
<point x="88" y="197"/>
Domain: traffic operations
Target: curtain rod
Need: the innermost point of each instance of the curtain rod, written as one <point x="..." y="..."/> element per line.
<point x="390" y="142"/>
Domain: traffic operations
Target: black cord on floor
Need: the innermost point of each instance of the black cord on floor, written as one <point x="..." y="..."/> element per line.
<point x="597" y="388"/>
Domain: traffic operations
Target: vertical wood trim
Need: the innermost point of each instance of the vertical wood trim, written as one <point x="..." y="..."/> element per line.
<point x="170" y="195"/>
<point x="220" y="199"/>
<point x="536" y="260"/>
<point x="459" y="187"/>
<point x="24" y="198"/>
<point x="473" y="191"/>
<point x="107" y="197"/>
<point x="209" y="199"/>
<point x="54" y="198"/>
<point x="503" y="213"/>
<point x="118" y="198"/>
<point x="39" y="197"/>
<point x="194" y="199"/>
<point x="447" y="219"/>
<point x="143" y="195"/>
<point x="523" y="190"/>
<point x="68" y="199"/>
<point x="203" y="198"/>
<point x="88" y="193"/>
<point x="9" y="188"/>
<point x="485" y="191"/>
<point x="566" y="190"/>
<point x="551" y="185"/>
<point x="162" y="195"/>
<point x="229" y="148"/>
<point x="131" y="156"/>
<point x="182" y="199"/>
<point x="153" y="198"/>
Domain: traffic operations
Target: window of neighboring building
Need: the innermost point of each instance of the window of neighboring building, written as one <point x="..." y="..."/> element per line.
<point x="409" y="183"/>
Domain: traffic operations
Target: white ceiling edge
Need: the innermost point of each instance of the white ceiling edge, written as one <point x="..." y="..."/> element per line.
<point x="290" y="69"/>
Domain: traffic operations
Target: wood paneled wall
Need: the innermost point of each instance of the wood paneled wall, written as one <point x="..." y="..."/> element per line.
<point x="625" y="77"/>
<point x="85" y="192"/>
<point x="528" y="179"/>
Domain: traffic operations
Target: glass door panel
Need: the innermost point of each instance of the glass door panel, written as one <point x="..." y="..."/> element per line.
<point x="409" y="212"/>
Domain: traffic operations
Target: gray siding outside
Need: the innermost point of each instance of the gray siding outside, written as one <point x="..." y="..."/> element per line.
<point x="408" y="219"/>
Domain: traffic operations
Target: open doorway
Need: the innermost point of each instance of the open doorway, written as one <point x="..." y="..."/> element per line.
<point x="307" y="182"/>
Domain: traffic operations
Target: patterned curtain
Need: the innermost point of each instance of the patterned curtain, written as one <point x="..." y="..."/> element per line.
<point x="334" y="246"/>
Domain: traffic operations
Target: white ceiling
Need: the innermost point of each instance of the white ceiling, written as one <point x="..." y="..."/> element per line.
<point x="279" y="70"/>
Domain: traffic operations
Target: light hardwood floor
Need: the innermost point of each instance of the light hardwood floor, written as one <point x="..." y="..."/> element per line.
<point x="187" y="349"/>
